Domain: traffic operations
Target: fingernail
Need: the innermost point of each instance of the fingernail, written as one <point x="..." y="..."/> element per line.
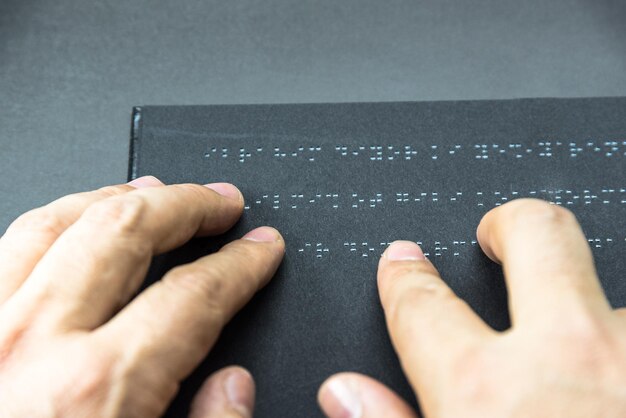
<point x="348" y="400"/>
<point x="225" y="189"/>
<point x="404" y="250"/>
<point x="239" y="389"/>
<point x="262" y="234"/>
<point x="145" y="181"/>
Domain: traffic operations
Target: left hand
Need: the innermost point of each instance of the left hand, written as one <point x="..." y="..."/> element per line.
<point x="71" y="346"/>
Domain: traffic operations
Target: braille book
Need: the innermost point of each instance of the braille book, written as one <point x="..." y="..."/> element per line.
<point x="342" y="181"/>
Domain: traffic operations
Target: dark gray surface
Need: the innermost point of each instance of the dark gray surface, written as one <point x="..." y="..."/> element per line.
<point x="71" y="70"/>
<point x="321" y="313"/>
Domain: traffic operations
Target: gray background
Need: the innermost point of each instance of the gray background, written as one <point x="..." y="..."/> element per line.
<point x="71" y="70"/>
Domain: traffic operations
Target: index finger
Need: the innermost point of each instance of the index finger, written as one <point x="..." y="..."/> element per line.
<point x="172" y="324"/>
<point x="98" y="263"/>
<point x="29" y="237"/>
<point x="430" y="327"/>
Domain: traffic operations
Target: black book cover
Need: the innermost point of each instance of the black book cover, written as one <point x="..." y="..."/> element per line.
<point x="341" y="181"/>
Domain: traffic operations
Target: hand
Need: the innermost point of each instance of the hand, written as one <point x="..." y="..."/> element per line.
<point x="66" y="270"/>
<point x="564" y="356"/>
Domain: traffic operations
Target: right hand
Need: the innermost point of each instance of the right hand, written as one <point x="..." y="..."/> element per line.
<point x="564" y="356"/>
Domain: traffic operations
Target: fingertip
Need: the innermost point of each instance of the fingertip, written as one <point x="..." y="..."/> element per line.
<point x="226" y="203"/>
<point x="482" y="236"/>
<point x="499" y="221"/>
<point x="240" y="389"/>
<point x="338" y="398"/>
<point x="398" y="253"/>
<point x="227" y="392"/>
<point x="267" y="235"/>
<point x="263" y="234"/>
<point x="403" y="251"/>
<point x="226" y="190"/>
<point x="145" y="181"/>
<point x="353" y="395"/>
<point x="401" y="257"/>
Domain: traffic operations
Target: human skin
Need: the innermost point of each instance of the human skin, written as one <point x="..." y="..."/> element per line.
<point x="564" y="355"/>
<point x="71" y="346"/>
<point x="70" y="343"/>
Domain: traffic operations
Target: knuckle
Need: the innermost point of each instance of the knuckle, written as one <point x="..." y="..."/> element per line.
<point x="123" y="214"/>
<point x="41" y="220"/>
<point x="592" y="344"/>
<point x="88" y="379"/>
<point x="109" y="191"/>
<point x="203" y="292"/>
<point x="250" y="263"/>
<point x="99" y="374"/>
<point x="588" y="333"/>
<point x="411" y="270"/>
<point x="205" y="285"/>
<point x="193" y="191"/>
<point x="425" y="290"/>
<point x="247" y="256"/>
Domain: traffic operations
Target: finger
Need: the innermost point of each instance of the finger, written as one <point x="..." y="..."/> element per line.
<point x="227" y="393"/>
<point x="547" y="262"/>
<point x="620" y="312"/>
<point x="32" y="234"/>
<point x="352" y="395"/>
<point x="99" y="262"/>
<point x="430" y="327"/>
<point x="173" y="324"/>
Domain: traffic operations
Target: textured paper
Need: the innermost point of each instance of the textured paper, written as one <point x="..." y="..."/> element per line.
<point x="341" y="181"/>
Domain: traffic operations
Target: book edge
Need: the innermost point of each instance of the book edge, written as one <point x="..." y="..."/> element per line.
<point x="133" y="149"/>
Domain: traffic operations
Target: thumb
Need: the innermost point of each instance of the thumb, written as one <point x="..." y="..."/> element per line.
<point x="353" y="395"/>
<point x="227" y="393"/>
